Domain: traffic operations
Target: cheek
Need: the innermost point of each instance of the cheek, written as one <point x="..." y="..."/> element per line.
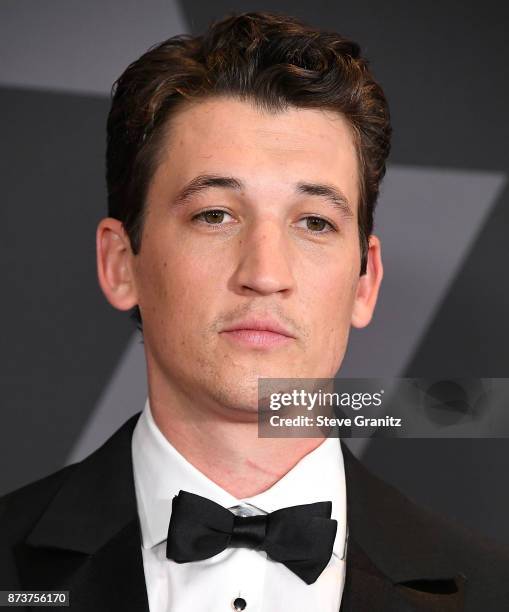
<point x="177" y="283"/>
<point x="331" y="299"/>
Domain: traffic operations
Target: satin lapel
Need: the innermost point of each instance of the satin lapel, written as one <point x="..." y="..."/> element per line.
<point x="393" y="563"/>
<point x="367" y="590"/>
<point x="113" y="578"/>
<point x="88" y="539"/>
<point x="367" y="593"/>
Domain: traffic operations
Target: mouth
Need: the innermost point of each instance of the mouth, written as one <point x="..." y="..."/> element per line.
<point x="258" y="333"/>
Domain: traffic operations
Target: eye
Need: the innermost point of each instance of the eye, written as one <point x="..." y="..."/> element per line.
<point x="211" y="217"/>
<point x="317" y="225"/>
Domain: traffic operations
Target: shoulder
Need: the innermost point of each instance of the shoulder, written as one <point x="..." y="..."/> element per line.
<point x="49" y="526"/>
<point x="410" y="543"/>
<point x="94" y="476"/>
<point x="482" y="563"/>
<point x="20" y="509"/>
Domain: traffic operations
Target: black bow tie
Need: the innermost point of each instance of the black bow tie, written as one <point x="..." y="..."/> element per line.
<point x="300" y="537"/>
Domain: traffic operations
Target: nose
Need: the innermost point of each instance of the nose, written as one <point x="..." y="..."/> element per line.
<point x="264" y="260"/>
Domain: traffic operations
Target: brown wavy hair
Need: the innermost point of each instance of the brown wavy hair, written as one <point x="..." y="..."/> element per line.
<point x="272" y="60"/>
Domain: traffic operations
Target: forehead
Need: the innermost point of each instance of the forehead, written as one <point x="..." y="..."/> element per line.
<point x="226" y="135"/>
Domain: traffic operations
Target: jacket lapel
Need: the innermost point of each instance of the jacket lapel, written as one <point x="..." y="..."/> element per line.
<point x="393" y="563"/>
<point x="366" y="588"/>
<point x="113" y="577"/>
<point x="88" y="539"/>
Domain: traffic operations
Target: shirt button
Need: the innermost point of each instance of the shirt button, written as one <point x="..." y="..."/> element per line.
<point x="239" y="604"/>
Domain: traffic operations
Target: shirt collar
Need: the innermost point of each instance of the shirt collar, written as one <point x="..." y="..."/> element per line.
<point x="160" y="472"/>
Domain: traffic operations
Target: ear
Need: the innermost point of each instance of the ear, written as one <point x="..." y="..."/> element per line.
<point x="368" y="285"/>
<point x="114" y="264"/>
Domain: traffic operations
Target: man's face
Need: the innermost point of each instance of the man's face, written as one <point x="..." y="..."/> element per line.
<point x="250" y="215"/>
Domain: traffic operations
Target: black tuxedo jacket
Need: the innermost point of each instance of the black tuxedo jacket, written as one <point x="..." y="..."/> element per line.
<point x="78" y="530"/>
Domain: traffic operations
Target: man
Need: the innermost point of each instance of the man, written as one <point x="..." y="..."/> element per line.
<point x="243" y="171"/>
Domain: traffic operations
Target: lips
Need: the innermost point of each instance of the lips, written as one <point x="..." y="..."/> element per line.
<point x="258" y="334"/>
<point x="259" y="325"/>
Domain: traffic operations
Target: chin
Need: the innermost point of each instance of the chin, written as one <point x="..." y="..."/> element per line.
<point x="239" y="403"/>
<point x="239" y="394"/>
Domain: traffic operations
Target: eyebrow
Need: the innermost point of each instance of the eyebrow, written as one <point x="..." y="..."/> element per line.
<point x="206" y="181"/>
<point x="332" y="194"/>
<point x="202" y="182"/>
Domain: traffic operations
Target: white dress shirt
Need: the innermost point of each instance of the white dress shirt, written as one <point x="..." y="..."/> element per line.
<point x="212" y="585"/>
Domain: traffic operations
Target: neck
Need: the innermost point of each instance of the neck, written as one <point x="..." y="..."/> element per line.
<point x="227" y="450"/>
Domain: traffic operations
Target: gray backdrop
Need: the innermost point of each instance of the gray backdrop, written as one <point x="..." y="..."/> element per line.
<point x="73" y="368"/>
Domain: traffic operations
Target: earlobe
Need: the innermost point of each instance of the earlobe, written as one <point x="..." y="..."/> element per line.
<point x="114" y="269"/>
<point x="368" y="286"/>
